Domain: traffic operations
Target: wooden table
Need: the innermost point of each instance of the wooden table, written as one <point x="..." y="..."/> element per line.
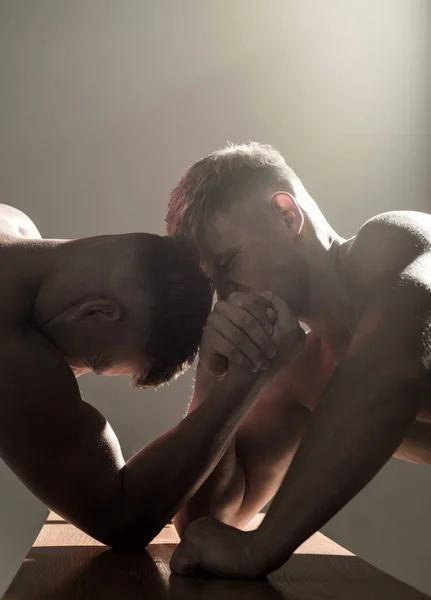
<point x="66" y="564"/>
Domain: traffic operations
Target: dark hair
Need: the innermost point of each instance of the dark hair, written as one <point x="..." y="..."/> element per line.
<point x="181" y="298"/>
<point x="223" y="177"/>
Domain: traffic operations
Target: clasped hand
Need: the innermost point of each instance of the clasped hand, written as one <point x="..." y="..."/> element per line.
<point x="245" y="334"/>
<point x="250" y="333"/>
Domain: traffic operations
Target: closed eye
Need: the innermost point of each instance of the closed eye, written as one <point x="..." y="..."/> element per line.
<point x="227" y="262"/>
<point x="94" y="312"/>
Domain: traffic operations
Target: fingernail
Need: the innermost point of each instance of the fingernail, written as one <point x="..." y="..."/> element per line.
<point x="254" y="369"/>
<point x="265" y="364"/>
<point x="270" y="313"/>
<point x="267" y="294"/>
<point x="220" y="377"/>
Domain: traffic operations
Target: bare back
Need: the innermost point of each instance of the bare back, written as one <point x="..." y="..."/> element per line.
<point x="16" y="224"/>
<point x="15" y="229"/>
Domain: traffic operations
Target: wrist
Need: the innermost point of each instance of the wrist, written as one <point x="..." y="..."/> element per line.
<point x="268" y="555"/>
<point x="235" y="379"/>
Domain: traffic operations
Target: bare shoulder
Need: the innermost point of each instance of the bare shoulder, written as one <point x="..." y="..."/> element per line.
<point x="385" y="247"/>
<point x="405" y="224"/>
<point x="16" y="224"/>
<point x="22" y="343"/>
<point x="388" y="266"/>
<point x="34" y="378"/>
<point x="26" y="358"/>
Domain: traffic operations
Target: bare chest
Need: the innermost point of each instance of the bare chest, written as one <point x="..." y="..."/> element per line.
<point x="304" y="380"/>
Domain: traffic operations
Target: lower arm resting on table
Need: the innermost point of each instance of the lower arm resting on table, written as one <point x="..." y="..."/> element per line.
<point x="357" y="426"/>
<point x="251" y="471"/>
<point x="220" y="496"/>
<point x="165" y="475"/>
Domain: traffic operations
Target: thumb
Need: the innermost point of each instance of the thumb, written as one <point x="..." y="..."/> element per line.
<point x="283" y="314"/>
<point x="286" y="321"/>
<point x="218" y="365"/>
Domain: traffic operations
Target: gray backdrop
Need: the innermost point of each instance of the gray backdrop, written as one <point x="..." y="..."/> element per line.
<point x="103" y="104"/>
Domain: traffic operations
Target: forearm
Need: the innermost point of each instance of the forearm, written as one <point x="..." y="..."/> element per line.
<point x="77" y="468"/>
<point x="254" y="466"/>
<point x="221" y="494"/>
<point x="162" y="477"/>
<point x="349" y="439"/>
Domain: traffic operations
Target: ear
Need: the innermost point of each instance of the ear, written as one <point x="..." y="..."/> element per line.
<point x="101" y="309"/>
<point x="291" y="213"/>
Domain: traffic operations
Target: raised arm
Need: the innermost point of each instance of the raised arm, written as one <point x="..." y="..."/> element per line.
<point x="67" y="454"/>
<point x="254" y="465"/>
<point x="359" y="424"/>
<point x="371" y="400"/>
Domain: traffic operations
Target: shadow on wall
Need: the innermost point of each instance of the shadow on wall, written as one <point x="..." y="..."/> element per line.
<point x="388" y="523"/>
<point x="21" y="518"/>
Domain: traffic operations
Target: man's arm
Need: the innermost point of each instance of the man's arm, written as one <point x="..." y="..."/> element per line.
<point x="251" y="471"/>
<point x="67" y="454"/>
<point x="253" y="467"/>
<point x="361" y="419"/>
<point x="370" y="402"/>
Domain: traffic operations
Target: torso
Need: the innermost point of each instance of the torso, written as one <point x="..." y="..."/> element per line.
<point x="308" y="375"/>
<point x="16" y="232"/>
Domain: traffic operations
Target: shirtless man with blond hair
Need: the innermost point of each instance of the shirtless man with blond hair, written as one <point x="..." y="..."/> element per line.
<point x="356" y="392"/>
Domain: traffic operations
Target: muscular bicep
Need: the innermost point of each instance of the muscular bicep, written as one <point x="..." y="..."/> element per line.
<point x="61" y="448"/>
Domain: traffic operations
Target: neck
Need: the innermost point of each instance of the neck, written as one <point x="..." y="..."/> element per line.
<point x="59" y="279"/>
<point x="327" y="310"/>
<point x="33" y="259"/>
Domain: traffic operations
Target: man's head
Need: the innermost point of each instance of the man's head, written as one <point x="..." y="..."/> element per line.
<point x="125" y="305"/>
<point x="252" y="219"/>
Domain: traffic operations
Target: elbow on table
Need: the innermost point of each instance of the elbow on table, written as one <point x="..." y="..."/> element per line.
<point x="129" y="541"/>
<point x="126" y="534"/>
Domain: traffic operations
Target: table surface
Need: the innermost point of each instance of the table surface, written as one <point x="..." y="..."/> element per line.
<point x="66" y="564"/>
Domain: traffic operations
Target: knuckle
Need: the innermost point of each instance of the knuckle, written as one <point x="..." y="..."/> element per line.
<point x="240" y="298"/>
<point x="247" y="319"/>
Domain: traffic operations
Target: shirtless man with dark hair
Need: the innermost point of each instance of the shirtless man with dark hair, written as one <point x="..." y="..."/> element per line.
<point x="132" y="305"/>
<point x="357" y="392"/>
